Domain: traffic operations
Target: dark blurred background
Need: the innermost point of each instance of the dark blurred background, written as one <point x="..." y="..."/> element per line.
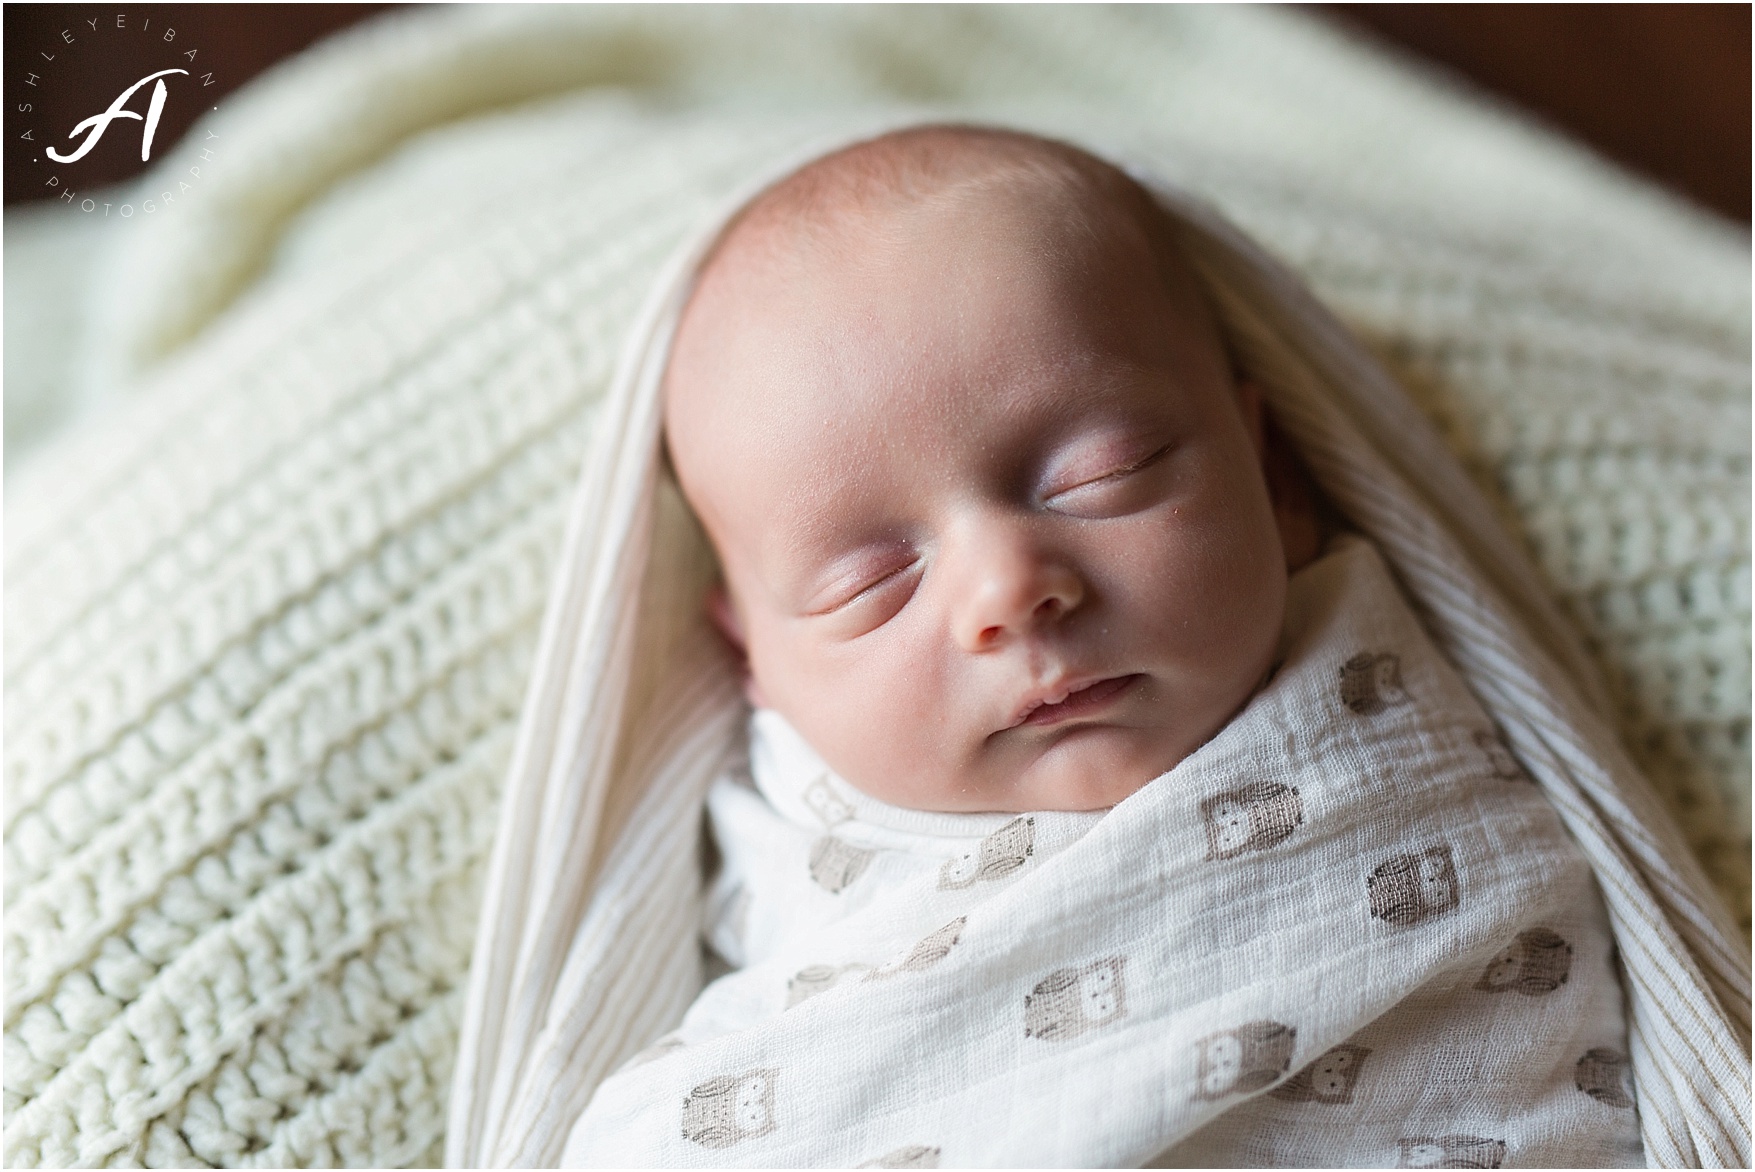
<point x="1661" y="88"/>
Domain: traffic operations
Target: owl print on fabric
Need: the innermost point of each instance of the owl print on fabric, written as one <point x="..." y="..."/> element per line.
<point x="1537" y="962"/>
<point x="1498" y="758"/>
<point x="730" y="1109"/>
<point x="935" y="947"/>
<point x="1072" y="1001"/>
<point x="1370" y="683"/>
<point x="1251" y="819"/>
<point x="835" y="864"/>
<point x="1329" y="1079"/>
<point x="826" y="804"/>
<point x="912" y="1156"/>
<point x="996" y="856"/>
<point x="1451" y="1151"/>
<point x="1242" y="1060"/>
<point x="1413" y="888"/>
<point x="819" y="978"/>
<point x="1606" y="1076"/>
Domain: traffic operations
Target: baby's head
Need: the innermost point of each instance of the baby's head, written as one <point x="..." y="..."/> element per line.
<point x="989" y="499"/>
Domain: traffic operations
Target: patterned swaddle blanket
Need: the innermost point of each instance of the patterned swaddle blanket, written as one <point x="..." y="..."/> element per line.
<point x="1346" y="931"/>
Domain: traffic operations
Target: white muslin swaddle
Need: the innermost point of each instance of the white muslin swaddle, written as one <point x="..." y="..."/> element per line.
<point x="1347" y="931"/>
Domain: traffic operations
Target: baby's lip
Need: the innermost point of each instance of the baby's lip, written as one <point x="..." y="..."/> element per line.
<point x="1074" y="696"/>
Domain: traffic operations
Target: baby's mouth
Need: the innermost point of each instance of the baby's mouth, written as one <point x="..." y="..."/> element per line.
<point x="1081" y="701"/>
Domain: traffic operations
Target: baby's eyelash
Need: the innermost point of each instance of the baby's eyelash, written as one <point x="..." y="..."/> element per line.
<point x="1138" y="464"/>
<point x="1124" y="470"/>
<point x="866" y="590"/>
<point x="878" y="582"/>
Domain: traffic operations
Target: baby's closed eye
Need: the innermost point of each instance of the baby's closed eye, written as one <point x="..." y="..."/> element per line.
<point x="869" y="590"/>
<point x="1106" y="482"/>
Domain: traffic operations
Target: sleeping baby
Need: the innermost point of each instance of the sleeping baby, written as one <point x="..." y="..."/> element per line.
<point x="1105" y="803"/>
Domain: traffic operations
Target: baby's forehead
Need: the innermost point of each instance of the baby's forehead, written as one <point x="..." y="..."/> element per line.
<point x="858" y="201"/>
<point x="831" y="229"/>
<point x="843" y="222"/>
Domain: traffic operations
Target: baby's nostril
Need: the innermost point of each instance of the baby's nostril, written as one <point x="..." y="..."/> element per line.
<point x="988" y="634"/>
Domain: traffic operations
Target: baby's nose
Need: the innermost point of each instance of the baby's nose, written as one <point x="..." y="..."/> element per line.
<point x="1015" y="592"/>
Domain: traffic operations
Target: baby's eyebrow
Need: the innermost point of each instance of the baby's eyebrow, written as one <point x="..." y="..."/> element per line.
<point x="829" y="514"/>
<point x="813" y="537"/>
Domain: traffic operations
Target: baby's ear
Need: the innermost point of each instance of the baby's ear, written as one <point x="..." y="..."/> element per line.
<point x="724" y="617"/>
<point x="1249" y="400"/>
<point x="1298" y="508"/>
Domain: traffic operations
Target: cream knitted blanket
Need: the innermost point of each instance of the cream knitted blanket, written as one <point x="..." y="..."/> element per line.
<point x="270" y="615"/>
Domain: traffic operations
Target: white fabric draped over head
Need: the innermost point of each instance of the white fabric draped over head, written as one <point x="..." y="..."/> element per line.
<point x="587" y="947"/>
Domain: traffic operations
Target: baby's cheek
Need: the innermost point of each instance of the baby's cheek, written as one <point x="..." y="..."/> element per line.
<point x="1201" y="581"/>
<point x="1215" y="613"/>
<point x="877" y="711"/>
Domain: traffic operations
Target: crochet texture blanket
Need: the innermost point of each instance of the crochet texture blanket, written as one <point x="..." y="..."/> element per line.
<point x="269" y="613"/>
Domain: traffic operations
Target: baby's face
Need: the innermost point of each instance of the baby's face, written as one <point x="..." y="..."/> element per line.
<point x="989" y="504"/>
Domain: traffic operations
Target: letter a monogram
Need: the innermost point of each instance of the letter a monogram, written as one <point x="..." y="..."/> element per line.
<point x="98" y="123"/>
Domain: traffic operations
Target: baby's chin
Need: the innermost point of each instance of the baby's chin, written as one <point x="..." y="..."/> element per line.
<point x="1089" y="767"/>
<point x="1094" y="767"/>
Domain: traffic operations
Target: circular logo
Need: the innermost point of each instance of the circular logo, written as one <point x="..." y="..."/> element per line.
<point x="97" y="100"/>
